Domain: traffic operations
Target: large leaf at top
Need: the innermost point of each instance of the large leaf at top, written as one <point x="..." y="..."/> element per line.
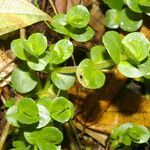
<point x="16" y="14"/>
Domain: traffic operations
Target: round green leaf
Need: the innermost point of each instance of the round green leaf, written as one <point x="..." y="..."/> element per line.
<point x="27" y="111"/>
<point x="144" y="3"/>
<point x="27" y="119"/>
<point x="139" y="134"/>
<point x="130" y="71"/>
<point x="51" y="135"/>
<point x="89" y="76"/>
<point x="11" y="116"/>
<point x="62" y="117"/>
<point x="136" y="46"/>
<point x="23" y="81"/>
<point x="61" y="109"/>
<point x="44" y="116"/>
<point x="60" y="52"/>
<point x="37" y="64"/>
<point x="19" y="144"/>
<point x="114" y="3"/>
<point x="98" y="54"/>
<point x="112" y="42"/>
<point x="58" y="23"/>
<point x="84" y="36"/>
<point x="133" y="5"/>
<point x="36" y="44"/>
<point x="120" y="135"/>
<point x="28" y="106"/>
<point x="62" y="81"/>
<point x="130" y="21"/>
<point x="17" y="47"/>
<point x="64" y="48"/>
<point x="78" y="16"/>
<point x="121" y="130"/>
<point x="112" y="18"/>
<point x="31" y="137"/>
<point x="44" y="145"/>
<point x="60" y="19"/>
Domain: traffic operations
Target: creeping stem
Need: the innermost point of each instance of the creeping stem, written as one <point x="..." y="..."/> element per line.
<point x="72" y="69"/>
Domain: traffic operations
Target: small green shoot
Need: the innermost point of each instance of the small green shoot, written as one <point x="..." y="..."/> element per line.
<point x="129" y="134"/>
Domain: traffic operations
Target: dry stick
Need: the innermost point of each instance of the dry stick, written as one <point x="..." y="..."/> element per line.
<point x="76" y="135"/>
<point x="43" y="5"/>
<point x="4" y="135"/>
<point x="52" y="4"/>
<point x="23" y="33"/>
<point x="5" y="130"/>
<point x="73" y="60"/>
<point x="3" y="99"/>
<point x="58" y="93"/>
<point x="70" y="137"/>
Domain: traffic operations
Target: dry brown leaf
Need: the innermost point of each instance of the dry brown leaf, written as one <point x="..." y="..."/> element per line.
<point x="128" y="107"/>
<point x="100" y="137"/>
<point x="6" y="66"/>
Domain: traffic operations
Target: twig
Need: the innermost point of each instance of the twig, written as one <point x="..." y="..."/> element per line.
<point x="70" y="137"/>
<point x="43" y="4"/>
<point x="23" y="33"/>
<point x="73" y="60"/>
<point x="3" y="99"/>
<point x="75" y="133"/>
<point x="52" y="4"/>
<point x="58" y="92"/>
<point x="4" y="135"/>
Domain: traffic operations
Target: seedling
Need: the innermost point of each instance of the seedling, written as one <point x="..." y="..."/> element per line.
<point x="126" y="14"/>
<point x="128" y="135"/>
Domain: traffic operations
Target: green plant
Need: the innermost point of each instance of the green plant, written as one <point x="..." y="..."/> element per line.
<point x="35" y="121"/>
<point x="43" y="104"/>
<point x="36" y="114"/>
<point x="127" y="18"/>
<point x="129" y="135"/>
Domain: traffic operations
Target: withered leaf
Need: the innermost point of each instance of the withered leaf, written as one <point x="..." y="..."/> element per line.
<point x="16" y="14"/>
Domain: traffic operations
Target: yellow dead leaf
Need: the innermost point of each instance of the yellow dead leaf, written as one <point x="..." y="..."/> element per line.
<point x="16" y="14"/>
<point x="127" y="107"/>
